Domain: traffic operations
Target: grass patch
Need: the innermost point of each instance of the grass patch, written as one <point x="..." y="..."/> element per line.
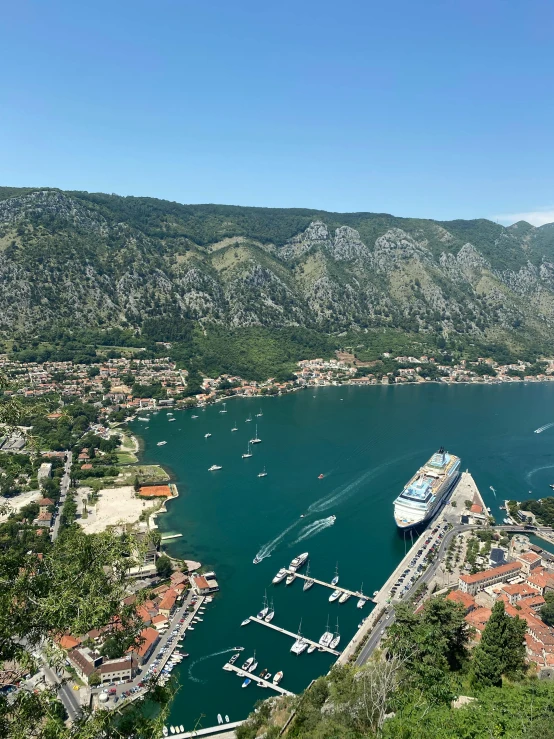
<point x="126" y="458"/>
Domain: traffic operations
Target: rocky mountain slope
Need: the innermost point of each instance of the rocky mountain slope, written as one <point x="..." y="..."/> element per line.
<point x="70" y="259"/>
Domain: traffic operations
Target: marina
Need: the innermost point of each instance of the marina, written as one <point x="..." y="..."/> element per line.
<point x="330" y="585"/>
<point x="257" y="678"/>
<point x="319" y="646"/>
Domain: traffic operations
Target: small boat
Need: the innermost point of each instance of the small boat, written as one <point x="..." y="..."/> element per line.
<point x="344" y="597"/>
<point x="335" y="580"/>
<point x="143" y="418"/>
<point x="248" y="452"/>
<point x="256" y="440"/>
<point x="299" y="561"/>
<point x="326" y="637"/>
<point x="226" y="719"/>
<point x="280" y="576"/>
<point x="171" y="419"/>
<point x="262" y="474"/>
<point x="233" y="659"/>
<point x="336" y="638"/>
<point x="215" y="467"/>
<point x="375" y="593"/>
<point x="249" y="419"/>
<point x="300" y="645"/>
<point x="362" y="599"/>
<point x="238" y="649"/>
<point x="190" y="628"/>
<point x="246" y="683"/>
<point x="260" y="414"/>
<point x="277" y="678"/>
<point x="161" y="443"/>
<point x="270" y="614"/>
<point x="290" y="578"/>
<point x="224" y="409"/>
<point x="312" y="648"/>
<point x="257" y="560"/>
<point x="194" y="416"/>
<point x="263" y="673"/>
<point x="172" y="729"/>
<point x="165" y="731"/>
<point x="265" y="610"/>
<point x="320" y="477"/>
<point x="248" y="664"/>
<point x="334" y="595"/>
<point x="207" y="436"/>
<point x="182" y="729"/>
<point x="245" y="622"/>
<point x="310" y="581"/>
<point x="235" y="427"/>
<point x="219" y="718"/>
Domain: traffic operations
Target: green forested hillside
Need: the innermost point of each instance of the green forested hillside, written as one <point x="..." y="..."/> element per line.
<point x="207" y="276"/>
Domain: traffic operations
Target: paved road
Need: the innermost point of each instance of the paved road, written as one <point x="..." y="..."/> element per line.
<point x="65" y="692"/>
<point x="64" y="487"/>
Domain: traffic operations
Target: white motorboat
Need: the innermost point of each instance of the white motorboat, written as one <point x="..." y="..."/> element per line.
<point x="335" y="580"/>
<point x="143" y="418"/>
<point x="215" y="467"/>
<point x="310" y="581"/>
<point x="362" y="599"/>
<point x="280" y="576"/>
<point x="256" y="440"/>
<point x="194" y="416"/>
<point x="248" y="453"/>
<point x="290" y="578"/>
<point x="334" y="596"/>
<point x="257" y="559"/>
<point x="207" y="436"/>
<point x="165" y="731"/>
<point x="265" y="609"/>
<point x="245" y="622"/>
<point x="226" y="719"/>
<point x="182" y="729"/>
<point x="172" y="729"/>
<point x="161" y="443"/>
<point x="262" y="474"/>
<point x="219" y="718"/>
<point x="171" y="419"/>
<point x="277" y="678"/>
<point x="300" y="645"/>
<point x="299" y="561"/>
<point x="344" y="597"/>
<point x="249" y="662"/>
<point x="312" y="648"/>
<point x="270" y="614"/>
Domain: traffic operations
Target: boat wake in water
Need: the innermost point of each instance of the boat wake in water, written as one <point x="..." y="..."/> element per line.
<point x="529" y="475"/>
<point x="268" y="548"/>
<point x="314" y="528"/>
<point x="543" y="428"/>
<point x="202" y="659"/>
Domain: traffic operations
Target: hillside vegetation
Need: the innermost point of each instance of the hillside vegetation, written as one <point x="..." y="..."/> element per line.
<point x="154" y="270"/>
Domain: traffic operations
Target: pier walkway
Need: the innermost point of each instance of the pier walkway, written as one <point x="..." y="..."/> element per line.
<point x="227" y="730"/>
<point x="294" y="636"/>
<point x="256" y="678"/>
<point x="355" y="593"/>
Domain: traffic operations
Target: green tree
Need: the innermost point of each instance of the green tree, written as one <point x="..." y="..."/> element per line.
<point x="94" y="680"/>
<point x="547" y="611"/>
<point x="163" y="566"/>
<point x="501" y="649"/>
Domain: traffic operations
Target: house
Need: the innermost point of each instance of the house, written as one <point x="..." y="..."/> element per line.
<point x="474" y="583"/>
<point x="44" y="471"/>
<point x="160" y="622"/>
<point x="84" y="661"/>
<point x="123" y="668"/>
<point x="44" y="504"/>
<point x="177" y="578"/>
<point x="68" y="642"/>
<point x="529" y="561"/>
<point x="147" y="640"/>
<point x="168" y="603"/>
<point x="203" y="585"/>
<point x="44" y="519"/>
<point x="465" y="599"/>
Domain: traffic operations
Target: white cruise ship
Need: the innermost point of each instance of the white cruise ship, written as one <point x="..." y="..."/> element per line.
<point x="424" y="493"/>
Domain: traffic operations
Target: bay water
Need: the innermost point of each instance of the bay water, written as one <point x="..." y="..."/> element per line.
<point x="366" y="442"/>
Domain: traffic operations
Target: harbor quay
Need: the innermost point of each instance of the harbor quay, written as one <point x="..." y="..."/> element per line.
<point x="373" y="627"/>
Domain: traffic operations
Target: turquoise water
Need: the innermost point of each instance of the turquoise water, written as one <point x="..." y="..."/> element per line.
<point x="367" y="442"/>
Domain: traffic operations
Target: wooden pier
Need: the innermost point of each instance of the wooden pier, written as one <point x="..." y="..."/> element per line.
<point x="294" y="636"/>
<point x="355" y="593"/>
<point x="257" y="678"/>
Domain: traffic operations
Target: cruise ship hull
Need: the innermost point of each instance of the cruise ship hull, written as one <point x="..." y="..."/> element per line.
<point x="427" y="491"/>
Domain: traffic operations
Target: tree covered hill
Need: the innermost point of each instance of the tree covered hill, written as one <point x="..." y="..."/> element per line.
<point x="70" y="260"/>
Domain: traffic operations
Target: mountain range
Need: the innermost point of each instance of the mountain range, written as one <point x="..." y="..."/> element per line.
<point x="69" y="259"/>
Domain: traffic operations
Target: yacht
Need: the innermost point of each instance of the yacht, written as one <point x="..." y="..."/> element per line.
<point x="224" y="409"/>
<point x="207" y="436"/>
<point x="161" y="443"/>
<point x="334" y="595"/>
<point x="248" y="453"/>
<point x="291" y="577"/>
<point x="327" y="636"/>
<point x="143" y="418"/>
<point x="265" y="610"/>
<point x="335" y="580"/>
<point x="169" y="413"/>
<point x="336" y="638"/>
<point x="299" y="561"/>
<point x="215" y="467"/>
<point x="310" y="581"/>
<point x="344" y="597"/>
<point x="249" y="662"/>
<point x="257" y="559"/>
<point x="300" y="645"/>
<point x="260" y="414"/>
<point x="171" y="419"/>
<point x="280" y="576"/>
<point x="256" y="440"/>
<point x="277" y="678"/>
<point x="182" y="729"/>
<point x="270" y="614"/>
<point x="262" y="474"/>
<point x="245" y="622"/>
<point x="172" y="729"/>
<point x="246" y="682"/>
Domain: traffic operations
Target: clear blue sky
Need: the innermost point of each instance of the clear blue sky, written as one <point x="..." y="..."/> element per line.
<point x="440" y="109"/>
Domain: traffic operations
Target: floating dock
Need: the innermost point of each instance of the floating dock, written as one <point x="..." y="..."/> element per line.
<point x="355" y="593"/>
<point x="166" y="537"/>
<point x="221" y="729"/>
<point x="294" y="636"/>
<point x="257" y="678"/>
